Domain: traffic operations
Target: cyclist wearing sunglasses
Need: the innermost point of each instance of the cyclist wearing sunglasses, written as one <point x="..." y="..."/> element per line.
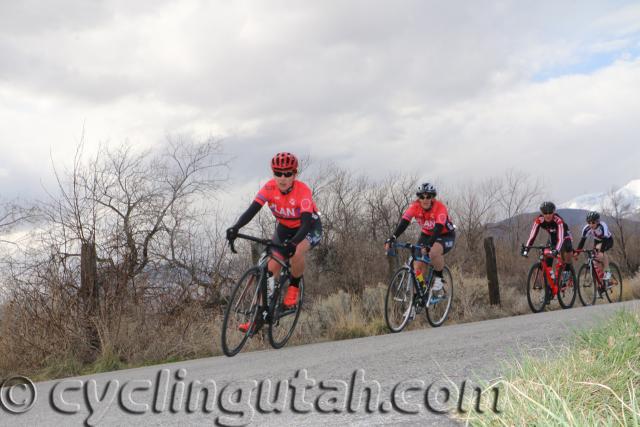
<point x="298" y="221"/>
<point x="559" y="235"/>
<point x="437" y="231"/>
<point x="602" y="240"/>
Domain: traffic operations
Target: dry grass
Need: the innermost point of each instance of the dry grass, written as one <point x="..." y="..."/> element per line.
<point x="144" y="339"/>
<point x="597" y="383"/>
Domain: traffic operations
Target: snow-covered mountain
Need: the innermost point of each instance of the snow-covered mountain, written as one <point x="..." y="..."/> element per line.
<point x="628" y="198"/>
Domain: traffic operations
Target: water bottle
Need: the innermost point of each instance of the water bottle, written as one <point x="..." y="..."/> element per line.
<point x="421" y="282"/>
<point x="565" y="276"/>
<point x="271" y="284"/>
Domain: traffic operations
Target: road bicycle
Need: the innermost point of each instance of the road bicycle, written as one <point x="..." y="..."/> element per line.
<point x="252" y="303"/>
<point x="591" y="283"/>
<point x="545" y="283"/>
<point x="406" y="298"/>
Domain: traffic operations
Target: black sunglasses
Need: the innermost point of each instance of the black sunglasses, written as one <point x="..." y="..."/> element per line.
<point x="285" y="174"/>
<point x="425" y="196"/>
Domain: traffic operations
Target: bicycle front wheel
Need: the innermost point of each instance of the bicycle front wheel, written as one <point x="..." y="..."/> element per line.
<point x="241" y="313"/>
<point x="536" y="288"/>
<point x="398" y="302"/>
<point x="587" y="286"/>
<point x="613" y="291"/>
<point x="439" y="302"/>
<point x="284" y="319"/>
<point x="567" y="291"/>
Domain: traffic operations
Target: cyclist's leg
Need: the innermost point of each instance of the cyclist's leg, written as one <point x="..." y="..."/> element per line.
<point x="437" y="257"/>
<point x="567" y="253"/>
<point x="420" y="267"/>
<point x="442" y="246"/>
<point x="279" y="235"/>
<point x="311" y="240"/>
<point x="600" y="257"/>
<point x="297" y="260"/>
<point x="604" y="248"/>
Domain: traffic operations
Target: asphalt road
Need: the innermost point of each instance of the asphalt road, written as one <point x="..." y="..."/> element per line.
<point x="324" y="380"/>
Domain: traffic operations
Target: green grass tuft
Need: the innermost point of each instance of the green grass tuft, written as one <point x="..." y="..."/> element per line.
<point x="595" y="381"/>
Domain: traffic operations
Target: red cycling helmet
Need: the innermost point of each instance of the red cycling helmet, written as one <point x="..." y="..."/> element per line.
<point x="284" y="162"/>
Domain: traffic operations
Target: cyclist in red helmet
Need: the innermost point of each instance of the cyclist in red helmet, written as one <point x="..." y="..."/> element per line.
<point x="298" y="221"/>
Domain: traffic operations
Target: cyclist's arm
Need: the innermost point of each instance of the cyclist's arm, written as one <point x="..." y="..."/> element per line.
<point x="533" y="234"/>
<point x="437" y="229"/>
<point x="248" y="215"/>
<point x="303" y="230"/>
<point x="583" y="239"/>
<point x="560" y="235"/>
<point x="402" y="226"/>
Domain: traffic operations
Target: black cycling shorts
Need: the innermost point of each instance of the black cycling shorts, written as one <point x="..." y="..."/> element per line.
<point x="567" y="245"/>
<point x="446" y="240"/>
<point x="605" y="244"/>
<point x="283" y="233"/>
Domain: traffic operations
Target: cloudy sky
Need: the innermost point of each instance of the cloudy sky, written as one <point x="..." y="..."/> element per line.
<point x="455" y="90"/>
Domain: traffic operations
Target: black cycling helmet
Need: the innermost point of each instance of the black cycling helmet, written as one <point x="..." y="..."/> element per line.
<point x="426" y="188"/>
<point x="593" y="216"/>
<point x="547" y="208"/>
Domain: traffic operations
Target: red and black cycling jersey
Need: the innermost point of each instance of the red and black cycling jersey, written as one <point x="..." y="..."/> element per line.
<point x="558" y="230"/>
<point x="428" y="218"/>
<point x="287" y="207"/>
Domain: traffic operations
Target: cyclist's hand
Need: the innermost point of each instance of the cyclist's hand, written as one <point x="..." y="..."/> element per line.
<point x="387" y="243"/>
<point x="232" y="233"/>
<point x="575" y="255"/>
<point x="554" y="252"/>
<point x="524" y="253"/>
<point x="289" y="248"/>
<point x="426" y="249"/>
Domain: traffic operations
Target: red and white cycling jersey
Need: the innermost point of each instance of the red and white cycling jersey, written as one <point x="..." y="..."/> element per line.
<point x="427" y="219"/>
<point x="287" y="208"/>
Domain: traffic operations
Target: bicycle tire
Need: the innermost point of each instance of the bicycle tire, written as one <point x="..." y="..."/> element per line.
<point x="587" y="286"/>
<point x="536" y="304"/>
<point x="567" y="295"/>
<point x="614" y="293"/>
<point x="280" y="331"/>
<point x="400" y="290"/>
<point x="437" y="313"/>
<point x="240" y="310"/>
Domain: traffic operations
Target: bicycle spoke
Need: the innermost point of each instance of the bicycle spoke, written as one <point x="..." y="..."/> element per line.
<point x="241" y="315"/>
<point x="613" y="291"/>
<point x="536" y="288"/>
<point x="283" y="319"/>
<point x="399" y="300"/>
<point x="439" y="303"/>
<point x="587" y="288"/>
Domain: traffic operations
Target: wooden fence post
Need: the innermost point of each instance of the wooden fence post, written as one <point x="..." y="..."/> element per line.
<point x="492" y="271"/>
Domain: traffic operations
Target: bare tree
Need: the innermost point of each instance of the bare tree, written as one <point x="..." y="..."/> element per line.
<point x="619" y="210"/>
<point x="515" y="196"/>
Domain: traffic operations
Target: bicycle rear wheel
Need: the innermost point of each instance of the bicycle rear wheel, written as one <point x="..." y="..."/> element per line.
<point x="587" y="286"/>
<point x="283" y="319"/>
<point x="242" y="308"/>
<point x="399" y="300"/>
<point x="567" y="292"/>
<point x="440" y="301"/>
<point x="614" y="291"/>
<point x="537" y="289"/>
